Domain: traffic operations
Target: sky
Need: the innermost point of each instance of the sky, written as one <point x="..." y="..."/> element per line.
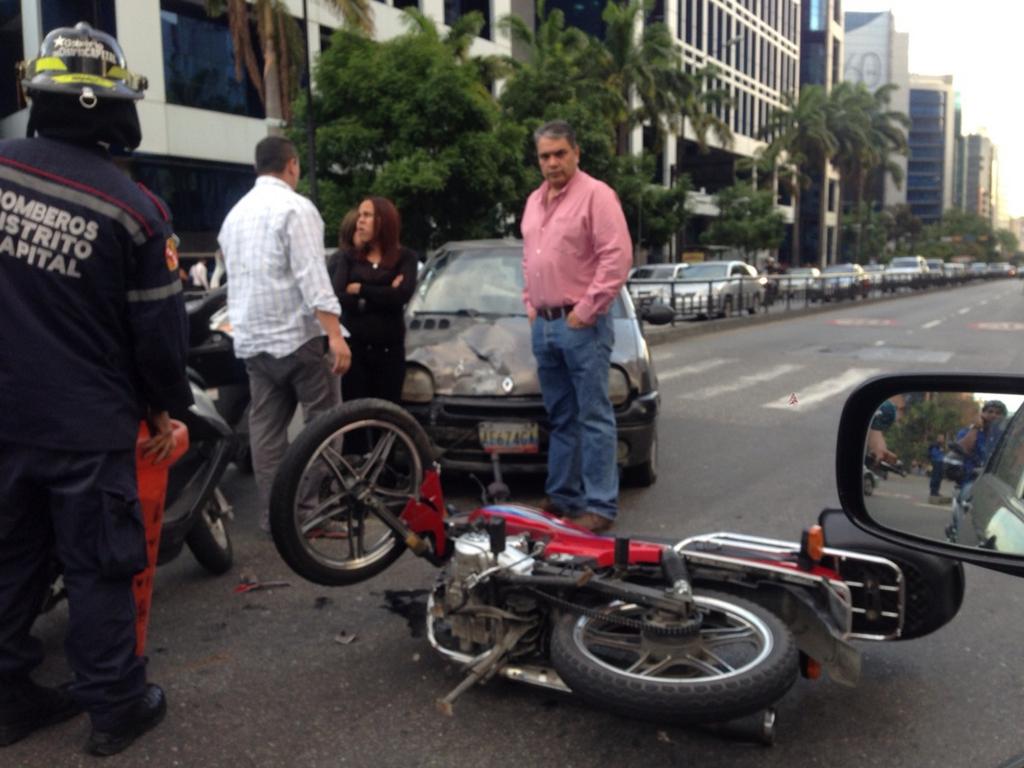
<point x="980" y="43"/>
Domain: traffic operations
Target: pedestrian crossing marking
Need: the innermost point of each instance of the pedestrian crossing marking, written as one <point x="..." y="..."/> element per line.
<point x="741" y="382"/>
<point x="701" y="367"/>
<point x="997" y="326"/>
<point x="861" y="321"/>
<point x="823" y="389"/>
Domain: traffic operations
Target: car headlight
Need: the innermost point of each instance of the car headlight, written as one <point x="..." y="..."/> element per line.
<point x="618" y="386"/>
<point x="418" y="386"/>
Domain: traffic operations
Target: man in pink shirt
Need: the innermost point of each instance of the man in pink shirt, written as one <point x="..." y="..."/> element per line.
<point x="576" y="255"/>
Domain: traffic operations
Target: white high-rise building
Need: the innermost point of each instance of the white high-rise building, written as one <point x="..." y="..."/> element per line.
<point x="876" y="55"/>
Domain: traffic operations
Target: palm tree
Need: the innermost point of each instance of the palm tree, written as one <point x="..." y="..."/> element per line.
<point x="280" y="42"/>
<point x="867" y="134"/>
<point x="799" y="146"/>
<point x="646" y="71"/>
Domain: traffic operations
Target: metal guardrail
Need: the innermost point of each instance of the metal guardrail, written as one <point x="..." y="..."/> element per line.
<point x="735" y="295"/>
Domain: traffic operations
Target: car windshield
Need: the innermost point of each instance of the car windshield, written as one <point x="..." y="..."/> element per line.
<point x="707" y="271"/>
<point x="802" y="271"/>
<point x="660" y="272"/>
<point x="834" y="268"/>
<point x="487" y="280"/>
<point x="904" y="262"/>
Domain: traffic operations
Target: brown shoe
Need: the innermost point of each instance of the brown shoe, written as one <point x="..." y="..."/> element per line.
<point x="553" y="508"/>
<point x="594" y="522"/>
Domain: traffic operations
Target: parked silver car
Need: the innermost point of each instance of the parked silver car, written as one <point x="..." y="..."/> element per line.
<point x="720" y="288"/>
<point x="656" y="282"/>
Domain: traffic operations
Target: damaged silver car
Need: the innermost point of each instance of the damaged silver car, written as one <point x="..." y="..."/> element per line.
<point x="471" y="379"/>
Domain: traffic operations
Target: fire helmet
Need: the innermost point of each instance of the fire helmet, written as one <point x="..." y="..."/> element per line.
<point x="84" y="62"/>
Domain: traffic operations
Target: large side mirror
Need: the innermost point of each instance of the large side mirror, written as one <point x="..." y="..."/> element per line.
<point x="936" y="462"/>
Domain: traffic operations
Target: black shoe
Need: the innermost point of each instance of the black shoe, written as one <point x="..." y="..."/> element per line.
<point x="27" y="707"/>
<point x="146" y="713"/>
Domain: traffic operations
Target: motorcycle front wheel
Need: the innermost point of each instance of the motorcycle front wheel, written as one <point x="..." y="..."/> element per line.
<point x="321" y="518"/>
<point x="741" y="660"/>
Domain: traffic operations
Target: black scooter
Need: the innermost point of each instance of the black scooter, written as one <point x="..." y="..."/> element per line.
<point x="214" y="367"/>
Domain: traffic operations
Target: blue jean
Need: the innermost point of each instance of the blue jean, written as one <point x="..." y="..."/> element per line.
<point x="572" y="365"/>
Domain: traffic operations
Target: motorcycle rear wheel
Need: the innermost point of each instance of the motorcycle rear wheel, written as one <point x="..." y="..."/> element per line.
<point x="741" y="661"/>
<point x="320" y="527"/>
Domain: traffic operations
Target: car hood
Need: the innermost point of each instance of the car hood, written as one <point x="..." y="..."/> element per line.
<point x="475" y="356"/>
<point x="493" y="356"/>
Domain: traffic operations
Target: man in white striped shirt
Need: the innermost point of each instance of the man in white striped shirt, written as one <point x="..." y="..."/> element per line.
<point x="281" y="303"/>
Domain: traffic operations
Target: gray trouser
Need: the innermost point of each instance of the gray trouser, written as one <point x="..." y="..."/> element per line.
<point x="278" y="386"/>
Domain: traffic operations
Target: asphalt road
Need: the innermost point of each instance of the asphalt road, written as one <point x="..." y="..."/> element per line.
<point x="747" y="444"/>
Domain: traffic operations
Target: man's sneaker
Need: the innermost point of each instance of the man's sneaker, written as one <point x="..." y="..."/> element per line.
<point x="26" y="707"/>
<point x="145" y="713"/>
<point x="934" y="499"/>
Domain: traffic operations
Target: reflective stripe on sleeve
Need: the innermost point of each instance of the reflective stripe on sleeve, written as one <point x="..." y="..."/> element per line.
<point x="94" y="200"/>
<point x="154" y="294"/>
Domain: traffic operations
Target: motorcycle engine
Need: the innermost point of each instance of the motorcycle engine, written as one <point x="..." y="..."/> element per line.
<point x="473" y="617"/>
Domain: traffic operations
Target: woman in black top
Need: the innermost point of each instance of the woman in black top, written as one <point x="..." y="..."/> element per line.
<point x="374" y="277"/>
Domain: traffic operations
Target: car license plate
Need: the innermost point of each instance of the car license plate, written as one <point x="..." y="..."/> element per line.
<point x="509" y="436"/>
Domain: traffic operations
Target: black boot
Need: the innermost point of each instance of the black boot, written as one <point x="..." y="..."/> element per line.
<point x="145" y="713"/>
<point x="26" y="707"/>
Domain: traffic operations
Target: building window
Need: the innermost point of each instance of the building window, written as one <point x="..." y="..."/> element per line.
<point x="583" y="14"/>
<point x="67" y="13"/>
<point x="11" y="52"/>
<point x="199" y="63"/>
<point x="199" y="194"/>
<point x="817" y="15"/>
<point x="407" y="3"/>
<point x="455" y="9"/>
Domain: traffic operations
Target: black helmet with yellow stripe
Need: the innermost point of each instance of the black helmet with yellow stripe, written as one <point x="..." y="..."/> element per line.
<point x="84" y="62"/>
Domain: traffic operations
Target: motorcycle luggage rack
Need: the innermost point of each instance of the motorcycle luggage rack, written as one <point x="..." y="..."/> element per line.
<point x="875" y="586"/>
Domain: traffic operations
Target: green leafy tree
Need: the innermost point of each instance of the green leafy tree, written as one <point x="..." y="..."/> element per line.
<point x="654" y="213"/>
<point x="555" y="79"/>
<point x="747" y="219"/>
<point x="903" y="229"/>
<point x="280" y="42"/>
<point x="409" y="120"/>
<point x="925" y="417"/>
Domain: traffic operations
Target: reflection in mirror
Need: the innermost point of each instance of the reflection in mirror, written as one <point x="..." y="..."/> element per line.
<point x="948" y="466"/>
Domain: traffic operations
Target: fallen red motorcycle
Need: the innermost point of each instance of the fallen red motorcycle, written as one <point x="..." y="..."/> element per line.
<point x="701" y="630"/>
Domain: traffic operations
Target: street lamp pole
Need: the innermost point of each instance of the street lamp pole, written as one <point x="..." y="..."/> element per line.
<point x="310" y="120"/>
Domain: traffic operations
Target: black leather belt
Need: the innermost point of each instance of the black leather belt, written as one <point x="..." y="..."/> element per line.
<point x="554" y="313"/>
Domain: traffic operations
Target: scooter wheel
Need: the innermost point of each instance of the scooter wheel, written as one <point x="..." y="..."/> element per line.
<point x="742" y="660"/>
<point x="209" y="541"/>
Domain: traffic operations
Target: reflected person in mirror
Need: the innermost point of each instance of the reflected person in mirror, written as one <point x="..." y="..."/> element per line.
<point x="977" y="439"/>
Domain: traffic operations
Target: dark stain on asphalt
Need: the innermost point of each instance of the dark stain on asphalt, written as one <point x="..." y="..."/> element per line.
<point x="410" y="604"/>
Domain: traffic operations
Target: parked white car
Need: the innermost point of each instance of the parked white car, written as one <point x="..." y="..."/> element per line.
<point x="907" y="271"/>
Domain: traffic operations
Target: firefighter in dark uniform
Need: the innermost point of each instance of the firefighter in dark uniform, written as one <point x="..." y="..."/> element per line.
<point x="93" y="338"/>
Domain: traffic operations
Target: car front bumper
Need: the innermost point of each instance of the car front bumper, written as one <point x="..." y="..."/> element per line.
<point x="451" y="423"/>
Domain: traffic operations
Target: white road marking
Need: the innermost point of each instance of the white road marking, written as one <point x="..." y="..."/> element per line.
<point x="931" y="324"/>
<point x="701" y="367"/>
<point x="823" y="390"/>
<point x="741" y="382"/>
<point x="963" y="311"/>
<point x="880" y="343"/>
